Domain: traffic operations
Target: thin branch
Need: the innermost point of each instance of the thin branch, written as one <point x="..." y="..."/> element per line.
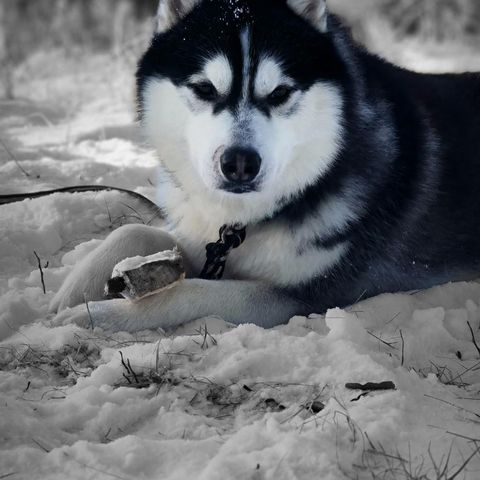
<point x="473" y="338"/>
<point x="45" y="449"/>
<point x="13" y="158"/>
<point x="132" y="371"/>
<point x="6" y="475"/>
<point x="452" y="405"/>
<point x="464" y="465"/>
<point x="42" y="279"/>
<point x="459" y="435"/>
<point x="88" y="311"/>
<point x="383" y="341"/>
<point x="403" y="347"/>
<point x="473" y="367"/>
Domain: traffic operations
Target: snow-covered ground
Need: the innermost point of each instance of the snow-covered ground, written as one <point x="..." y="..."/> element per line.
<point x="207" y="401"/>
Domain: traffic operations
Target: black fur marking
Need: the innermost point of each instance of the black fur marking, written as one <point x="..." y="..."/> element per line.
<point x="216" y="26"/>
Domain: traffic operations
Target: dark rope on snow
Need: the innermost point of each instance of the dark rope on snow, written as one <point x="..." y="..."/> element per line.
<point x="19" y="197"/>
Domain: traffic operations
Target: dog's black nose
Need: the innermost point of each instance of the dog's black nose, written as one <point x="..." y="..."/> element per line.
<point x="240" y="165"/>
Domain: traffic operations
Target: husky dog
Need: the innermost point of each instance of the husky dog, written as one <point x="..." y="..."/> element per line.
<point x="352" y="176"/>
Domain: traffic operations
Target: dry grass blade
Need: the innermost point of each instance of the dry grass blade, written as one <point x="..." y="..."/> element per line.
<point x="89" y="467"/>
<point x="473" y="338"/>
<point x="453" y="405"/>
<point x="88" y="311"/>
<point x="463" y="466"/>
<point x="12" y="156"/>
<point x="403" y="347"/>
<point x="459" y="435"/>
<point x="42" y="279"/>
<point x="473" y="367"/>
<point x="388" y="344"/>
<point x="45" y="449"/>
<point x="203" y="331"/>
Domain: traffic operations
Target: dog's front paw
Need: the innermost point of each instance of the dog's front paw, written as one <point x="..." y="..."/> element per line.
<point x="111" y="315"/>
<point x="78" y="315"/>
<point x="87" y="280"/>
<point x="77" y="288"/>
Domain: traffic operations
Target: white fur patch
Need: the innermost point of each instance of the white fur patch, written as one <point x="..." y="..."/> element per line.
<point x="270" y="254"/>
<point x="334" y="216"/>
<point x="186" y="135"/>
<point x="219" y="72"/>
<point x="269" y="77"/>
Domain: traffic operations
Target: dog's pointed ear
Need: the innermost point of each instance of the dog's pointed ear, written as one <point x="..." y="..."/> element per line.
<point x="170" y="12"/>
<point x="314" y="11"/>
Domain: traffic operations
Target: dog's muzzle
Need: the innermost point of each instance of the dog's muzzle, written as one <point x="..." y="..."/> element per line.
<point x="240" y="168"/>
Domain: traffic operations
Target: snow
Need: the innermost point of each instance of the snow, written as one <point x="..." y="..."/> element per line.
<point x="139" y="261"/>
<point x="206" y="401"/>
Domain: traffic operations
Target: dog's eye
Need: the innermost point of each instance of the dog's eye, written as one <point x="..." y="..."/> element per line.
<point x="280" y="95"/>
<point x="205" y="91"/>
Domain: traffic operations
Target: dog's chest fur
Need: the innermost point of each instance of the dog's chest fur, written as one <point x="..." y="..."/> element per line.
<point x="275" y="251"/>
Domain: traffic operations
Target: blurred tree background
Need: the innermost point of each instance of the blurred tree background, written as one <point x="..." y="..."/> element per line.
<point x="123" y="26"/>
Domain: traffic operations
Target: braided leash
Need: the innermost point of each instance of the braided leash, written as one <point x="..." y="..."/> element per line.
<point x="231" y="237"/>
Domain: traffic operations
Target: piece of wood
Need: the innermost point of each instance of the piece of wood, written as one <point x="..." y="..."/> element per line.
<point x="370" y="386"/>
<point x="138" y="277"/>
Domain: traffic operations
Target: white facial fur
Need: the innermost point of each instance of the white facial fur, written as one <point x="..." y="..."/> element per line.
<point x="297" y="143"/>
<point x="269" y="76"/>
<point x="218" y="71"/>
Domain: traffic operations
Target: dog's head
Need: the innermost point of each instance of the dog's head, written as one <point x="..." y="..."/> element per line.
<point x="242" y="97"/>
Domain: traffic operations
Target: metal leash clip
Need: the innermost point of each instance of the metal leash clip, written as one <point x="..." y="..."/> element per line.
<point x="231" y="237"/>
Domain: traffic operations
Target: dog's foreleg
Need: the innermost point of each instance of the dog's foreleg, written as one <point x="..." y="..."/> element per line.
<point x="235" y="301"/>
<point x="88" y="278"/>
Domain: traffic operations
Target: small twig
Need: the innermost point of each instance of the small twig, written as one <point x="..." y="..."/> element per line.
<point x="88" y="311"/>
<point x="123" y="362"/>
<point x="452" y="405"/>
<point x="42" y="279"/>
<point x="205" y="342"/>
<point x="108" y="211"/>
<point x="12" y="156"/>
<point x="383" y="341"/>
<point x="403" y="347"/>
<point x="45" y="449"/>
<point x="104" y="472"/>
<point x="459" y="435"/>
<point x="137" y="215"/>
<point x="157" y="357"/>
<point x="463" y="466"/>
<point x="394" y="317"/>
<point x="206" y="335"/>
<point x="132" y="372"/>
<point x="6" y="475"/>
<point x="473" y="338"/>
<point x="473" y="367"/>
<point x="371" y="386"/>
